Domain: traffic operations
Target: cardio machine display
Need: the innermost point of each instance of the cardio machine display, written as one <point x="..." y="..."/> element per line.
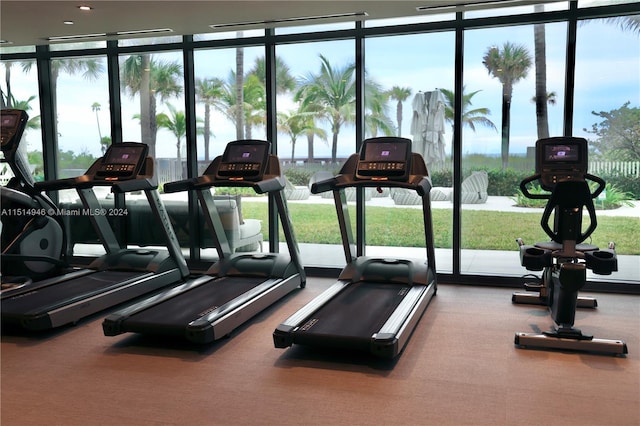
<point x="122" y="161"/>
<point x="243" y="160"/>
<point x="387" y="158"/>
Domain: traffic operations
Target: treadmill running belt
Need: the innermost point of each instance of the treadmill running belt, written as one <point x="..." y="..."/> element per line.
<point x="353" y="315"/>
<point x="48" y="298"/>
<point x="173" y="315"/>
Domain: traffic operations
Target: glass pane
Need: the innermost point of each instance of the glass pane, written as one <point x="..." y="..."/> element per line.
<point x="593" y="3"/>
<point x="501" y="123"/>
<point x="485" y="12"/>
<point x="151" y="40"/>
<point x="316" y="116"/>
<point x="607" y="114"/>
<point x="19" y="86"/>
<point x="218" y="74"/>
<point x="229" y="35"/>
<point x="7" y="48"/>
<point x="423" y="17"/>
<point x="153" y="109"/>
<point x="408" y="79"/>
<point x="315" y="28"/>
<point x="81" y="96"/>
<point x="78" y="46"/>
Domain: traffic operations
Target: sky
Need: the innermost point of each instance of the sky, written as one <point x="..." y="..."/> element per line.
<point x="607" y="76"/>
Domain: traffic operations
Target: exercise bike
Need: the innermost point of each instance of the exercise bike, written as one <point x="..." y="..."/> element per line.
<point x="561" y="169"/>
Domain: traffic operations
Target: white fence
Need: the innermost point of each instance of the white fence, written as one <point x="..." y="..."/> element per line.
<point x="619" y="168"/>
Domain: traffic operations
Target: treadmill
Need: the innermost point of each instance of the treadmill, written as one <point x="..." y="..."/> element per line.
<point x="377" y="301"/>
<point x="238" y="285"/>
<point x="119" y="275"/>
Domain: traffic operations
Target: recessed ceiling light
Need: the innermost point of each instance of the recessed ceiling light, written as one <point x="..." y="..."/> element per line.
<point x="68" y="22"/>
<point x="85" y="7"/>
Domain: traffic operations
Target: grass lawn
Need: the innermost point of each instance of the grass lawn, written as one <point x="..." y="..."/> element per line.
<point x="485" y="230"/>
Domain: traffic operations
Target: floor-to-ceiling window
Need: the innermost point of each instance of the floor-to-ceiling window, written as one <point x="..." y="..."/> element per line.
<point x="315" y="102"/>
<point x="514" y="90"/>
<point x="514" y="79"/>
<point x="19" y="88"/>
<point x="606" y="111"/>
<point x="230" y="97"/>
<point x="409" y="84"/>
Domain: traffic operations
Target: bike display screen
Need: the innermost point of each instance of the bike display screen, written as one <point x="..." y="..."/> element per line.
<point x="566" y="153"/>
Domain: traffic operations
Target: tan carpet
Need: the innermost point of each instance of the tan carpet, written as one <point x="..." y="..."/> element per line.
<point x="459" y="368"/>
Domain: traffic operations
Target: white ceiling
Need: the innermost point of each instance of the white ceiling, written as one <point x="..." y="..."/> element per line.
<point x="26" y="22"/>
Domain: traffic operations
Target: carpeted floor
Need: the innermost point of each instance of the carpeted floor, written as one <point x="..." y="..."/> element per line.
<point x="459" y="368"/>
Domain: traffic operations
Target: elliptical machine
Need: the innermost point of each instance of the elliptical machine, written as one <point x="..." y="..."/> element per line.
<point x="32" y="240"/>
<point x="561" y="168"/>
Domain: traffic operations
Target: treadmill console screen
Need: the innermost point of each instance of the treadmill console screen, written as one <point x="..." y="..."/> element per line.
<point x="244" y="160"/>
<point x="122" y="161"/>
<point x="559" y="159"/>
<point x="384" y="158"/>
<point x="12" y="122"/>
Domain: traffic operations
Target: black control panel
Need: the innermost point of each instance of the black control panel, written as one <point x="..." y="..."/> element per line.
<point x="561" y="159"/>
<point x="122" y="161"/>
<point x="384" y="159"/>
<point x="244" y="159"/>
<point x="12" y="124"/>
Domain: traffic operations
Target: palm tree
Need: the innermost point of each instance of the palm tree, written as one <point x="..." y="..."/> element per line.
<point x="176" y="123"/>
<point x="509" y="65"/>
<point x="95" y="107"/>
<point x="540" y="53"/>
<point x="251" y="107"/>
<point x="89" y="68"/>
<point x="209" y="91"/>
<point x="239" y="90"/>
<point x="400" y="94"/>
<point x="376" y="117"/>
<point x="298" y="123"/>
<point x="470" y="117"/>
<point x="331" y="92"/>
<point x="143" y="75"/>
<point x="34" y="122"/>
<point x="285" y="82"/>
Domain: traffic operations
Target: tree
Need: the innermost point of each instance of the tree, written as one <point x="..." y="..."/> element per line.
<point x="176" y="123"/>
<point x="470" y="117"/>
<point x="509" y="65"/>
<point x="376" y="116"/>
<point x="209" y="91"/>
<point x="239" y="90"/>
<point x="541" y="99"/>
<point x="142" y="74"/>
<point x="332" y="93"/>
<point x="400" y="94"/>
<point x="297" y="123"/>
<point x="618" y="134"/>
<point x="95" y="107"/>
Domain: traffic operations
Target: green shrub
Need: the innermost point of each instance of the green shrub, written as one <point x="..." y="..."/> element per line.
<point x="627" y="184"/>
